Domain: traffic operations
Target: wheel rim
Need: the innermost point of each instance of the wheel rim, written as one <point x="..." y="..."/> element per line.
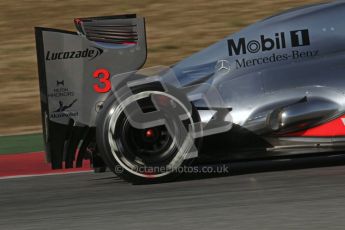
<point x="158" y="149"/>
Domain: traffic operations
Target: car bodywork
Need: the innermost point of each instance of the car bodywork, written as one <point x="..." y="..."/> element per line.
<point x="281" y="79"/>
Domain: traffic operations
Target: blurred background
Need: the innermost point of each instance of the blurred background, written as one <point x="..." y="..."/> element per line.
<point x="175" y="29"/>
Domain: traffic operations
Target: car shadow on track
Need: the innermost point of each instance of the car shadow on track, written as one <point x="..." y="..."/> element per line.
<point x="250" y="167"/>
<point x="268" y="165"/>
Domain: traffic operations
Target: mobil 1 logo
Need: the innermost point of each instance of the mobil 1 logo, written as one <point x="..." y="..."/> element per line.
<point x="300" y="38"/>
<point x="265" y="43"/>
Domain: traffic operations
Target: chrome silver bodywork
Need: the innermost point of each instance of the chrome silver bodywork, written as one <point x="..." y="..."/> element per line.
<point x="279" y="78"/>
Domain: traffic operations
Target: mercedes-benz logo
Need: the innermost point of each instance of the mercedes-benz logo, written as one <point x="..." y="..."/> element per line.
<point x="223" y="66"/>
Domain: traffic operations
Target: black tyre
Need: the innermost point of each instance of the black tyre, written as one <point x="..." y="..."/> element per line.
<point x="150" y="154"/>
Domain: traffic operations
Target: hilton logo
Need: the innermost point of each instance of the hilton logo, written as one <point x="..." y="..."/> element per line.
<point x="297" y="37"/>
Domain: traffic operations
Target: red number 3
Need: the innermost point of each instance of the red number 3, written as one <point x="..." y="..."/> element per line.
<point x="103" y="78"/>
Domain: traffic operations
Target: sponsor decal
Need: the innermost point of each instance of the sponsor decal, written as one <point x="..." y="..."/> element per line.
<point x="223" y="66"/>
<point x="60" y="83"/>
<point x="61" y="110"/>
<point x="89" y="53"/>
<point x="242" y="46"/>
<point x="61" y="91"/>
<point x="280" y="41"/>
<point x="66" y="100"/>
<point x="293" y="55"/>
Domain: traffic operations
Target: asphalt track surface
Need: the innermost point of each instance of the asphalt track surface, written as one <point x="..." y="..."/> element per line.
<point x="302" y="194"/>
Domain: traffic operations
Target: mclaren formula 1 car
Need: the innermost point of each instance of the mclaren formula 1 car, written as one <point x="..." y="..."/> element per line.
<point x="274" y="89"/>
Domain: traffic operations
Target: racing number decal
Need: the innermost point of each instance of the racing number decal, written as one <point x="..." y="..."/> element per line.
<point x="104" y="84"/>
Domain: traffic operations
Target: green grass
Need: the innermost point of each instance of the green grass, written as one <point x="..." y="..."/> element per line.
<point x="21" y="143"/>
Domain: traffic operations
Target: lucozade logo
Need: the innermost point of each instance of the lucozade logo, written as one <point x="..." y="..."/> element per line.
<point x="90" y="53"/>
